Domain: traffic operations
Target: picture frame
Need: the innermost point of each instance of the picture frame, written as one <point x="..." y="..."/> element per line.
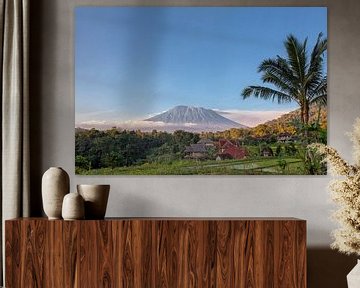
<point x="187" y="134"/>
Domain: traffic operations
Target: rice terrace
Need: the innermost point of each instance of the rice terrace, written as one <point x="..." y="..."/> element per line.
<point x="191" y="91"/>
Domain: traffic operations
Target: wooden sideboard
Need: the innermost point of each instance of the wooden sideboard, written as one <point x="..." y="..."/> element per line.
<point x="156" y="252"/>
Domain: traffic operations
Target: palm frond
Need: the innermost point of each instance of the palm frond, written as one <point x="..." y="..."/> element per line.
<point x="279" y="69"/>
<point x="297" y="57"/>
<point x="319" y="95"/>
<point x="315" y="71"/>
<point x="276" y="80"/>
<point x="278" y="72"/>
<point x="266" y="93"/>
<point x="320" y="100"/>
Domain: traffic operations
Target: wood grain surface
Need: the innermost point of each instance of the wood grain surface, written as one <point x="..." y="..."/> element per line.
<point x="157" y="253"/>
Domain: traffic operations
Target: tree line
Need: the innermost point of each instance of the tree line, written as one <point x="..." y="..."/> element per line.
<point x="117" y="148"/>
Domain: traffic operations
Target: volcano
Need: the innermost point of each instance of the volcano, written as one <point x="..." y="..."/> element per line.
<point x="195" y="119"/>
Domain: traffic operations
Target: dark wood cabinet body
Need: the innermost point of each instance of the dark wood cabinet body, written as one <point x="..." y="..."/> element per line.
<point x="156" y="252"/>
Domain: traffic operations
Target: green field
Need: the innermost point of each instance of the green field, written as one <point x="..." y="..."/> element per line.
<point x="118" y="152"/>
<point x="260" y="166"/>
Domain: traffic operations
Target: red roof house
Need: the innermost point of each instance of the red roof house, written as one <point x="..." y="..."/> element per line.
<point x="229" y="150"/>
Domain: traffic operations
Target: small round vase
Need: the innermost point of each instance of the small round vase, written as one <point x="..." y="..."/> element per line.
<point x="73" y="207"/>
<point x="55" y="185"/>
<point x="96" y="198"/>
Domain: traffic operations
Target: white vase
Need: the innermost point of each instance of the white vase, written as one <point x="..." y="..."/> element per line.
<point x="96" y="198"/>
<point x="353" y="278"/>
<point x="73" y="207"/>
<point x="55" y="185"/>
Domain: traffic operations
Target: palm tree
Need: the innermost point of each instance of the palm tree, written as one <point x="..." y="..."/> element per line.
<point x="296" y="78"/>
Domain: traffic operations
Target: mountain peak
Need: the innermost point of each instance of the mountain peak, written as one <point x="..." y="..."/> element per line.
<point x="205" y="119"/>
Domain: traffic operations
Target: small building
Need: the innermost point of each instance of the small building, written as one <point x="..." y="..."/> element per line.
<point x="229" y="150"/>
<point x="196" y="151"/>
<point x="225" y="150"/>
<point x="206" y="142"/>
<point x="285" y="138"/>
<point x="267" y="152"/>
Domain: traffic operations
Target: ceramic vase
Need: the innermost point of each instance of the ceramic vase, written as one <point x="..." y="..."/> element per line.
<point x="55" y="185"/>
<point x="73" y="207"/>
<point x="96" y="198"/>
<point x="353" y="278"/>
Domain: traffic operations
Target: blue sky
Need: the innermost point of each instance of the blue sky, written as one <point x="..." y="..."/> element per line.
<point x="132" y="62"/>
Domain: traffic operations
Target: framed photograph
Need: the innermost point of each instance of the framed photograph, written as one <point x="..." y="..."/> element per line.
<point x="200" y="90"/>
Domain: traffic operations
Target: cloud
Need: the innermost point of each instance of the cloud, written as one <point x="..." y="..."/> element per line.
<point x="251" y="118"/>
<point x="244" y="117"/>
<point x="131" y="125"/>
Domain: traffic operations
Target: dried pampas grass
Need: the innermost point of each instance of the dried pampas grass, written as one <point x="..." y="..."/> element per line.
<point x="345" y="191"/>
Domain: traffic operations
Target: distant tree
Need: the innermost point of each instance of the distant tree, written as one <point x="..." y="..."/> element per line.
<point x="113" y="159"/>
<point x="112" y="148"/>
<point x="278" y="150"/>
<point x="82" y="162"/>
<point x="261" y="130"/>
<point x="283" y="165"/>
<point x="290" y="149"/>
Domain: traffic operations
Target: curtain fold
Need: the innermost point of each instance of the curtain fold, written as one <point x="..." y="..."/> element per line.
<point x="15" y="174"/>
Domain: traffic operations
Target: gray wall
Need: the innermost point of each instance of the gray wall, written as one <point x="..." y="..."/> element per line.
<point x="52" y="132"/>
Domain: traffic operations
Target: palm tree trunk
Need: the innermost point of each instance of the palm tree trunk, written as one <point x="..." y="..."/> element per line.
<point x="306" y="111"/>
<point x="302" y="112"/>
<point x="318" y="116"/>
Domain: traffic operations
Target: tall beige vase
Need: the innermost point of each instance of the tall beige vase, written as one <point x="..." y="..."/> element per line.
<point x="96" y="198"/>
<point x="55" y="185"/>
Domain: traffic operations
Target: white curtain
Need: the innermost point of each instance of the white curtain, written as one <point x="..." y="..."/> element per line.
<point x="14" y="37"/>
